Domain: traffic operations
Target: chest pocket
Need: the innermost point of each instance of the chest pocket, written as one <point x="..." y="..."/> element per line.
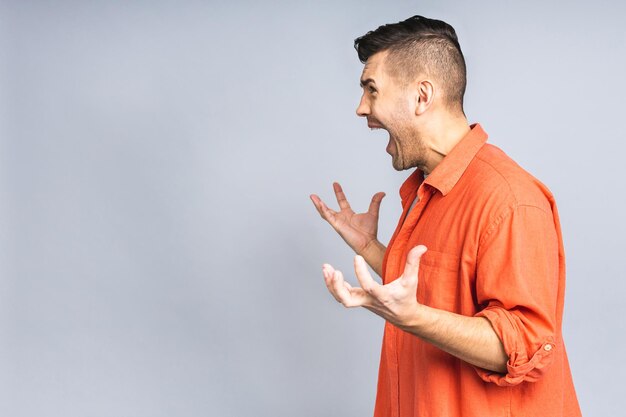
<point x="438" y="281"/>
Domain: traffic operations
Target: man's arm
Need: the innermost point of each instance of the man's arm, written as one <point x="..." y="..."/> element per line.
<point x="472" y="339"/>
<point x="373" y="254"/>
<point x="358" y="230"/>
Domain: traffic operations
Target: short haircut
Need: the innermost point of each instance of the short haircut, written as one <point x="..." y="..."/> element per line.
<point x="420" y="45"/>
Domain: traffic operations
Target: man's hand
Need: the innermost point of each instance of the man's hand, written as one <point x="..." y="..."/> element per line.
<point x="471" y="339"/>
<point x="396" y="302"/>
<point x="358" y="230"/>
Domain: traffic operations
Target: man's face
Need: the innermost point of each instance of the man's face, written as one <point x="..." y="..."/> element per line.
<point x="389" y="105"/>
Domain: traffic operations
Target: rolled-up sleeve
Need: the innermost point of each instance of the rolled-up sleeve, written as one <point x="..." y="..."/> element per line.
<point x="517" y="284"/>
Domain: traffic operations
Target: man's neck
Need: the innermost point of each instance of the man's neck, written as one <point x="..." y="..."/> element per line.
<point x="444" y="135"/>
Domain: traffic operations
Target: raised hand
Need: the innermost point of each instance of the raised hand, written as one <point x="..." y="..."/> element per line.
<point x="471" y="339"/>
<point x="359" y="230"/>
<point x="396" y="302"/>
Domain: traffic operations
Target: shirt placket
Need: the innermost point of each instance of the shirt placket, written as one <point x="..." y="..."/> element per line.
<point x="395" y="269"/>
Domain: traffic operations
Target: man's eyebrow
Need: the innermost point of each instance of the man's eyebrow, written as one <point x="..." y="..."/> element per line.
<point x="367" y="81"/>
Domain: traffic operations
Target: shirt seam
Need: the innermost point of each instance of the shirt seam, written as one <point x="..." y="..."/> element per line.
<point x="505" y="179"/>
<point x="509" y="210"/>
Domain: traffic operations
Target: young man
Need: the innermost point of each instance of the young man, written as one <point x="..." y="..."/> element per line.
<point x="474" y="275"/>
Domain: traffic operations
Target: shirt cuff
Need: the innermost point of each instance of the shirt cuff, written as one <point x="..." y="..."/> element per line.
<point x="526" y="362"/>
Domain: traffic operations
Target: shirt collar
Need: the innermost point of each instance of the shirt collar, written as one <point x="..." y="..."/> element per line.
<point x="445" y="175"/>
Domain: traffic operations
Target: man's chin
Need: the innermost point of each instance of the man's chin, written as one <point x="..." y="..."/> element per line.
<point x="400" y="165"/>
<point x="397" y="164"/>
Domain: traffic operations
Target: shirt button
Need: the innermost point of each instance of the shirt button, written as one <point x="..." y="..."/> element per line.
<point x="547" y="347"/>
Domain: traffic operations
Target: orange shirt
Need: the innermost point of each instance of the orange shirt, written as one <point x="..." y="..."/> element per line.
<point x="494" y="250"/>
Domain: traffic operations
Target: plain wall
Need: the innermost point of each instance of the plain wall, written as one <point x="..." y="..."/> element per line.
<point x="159" y="255"/>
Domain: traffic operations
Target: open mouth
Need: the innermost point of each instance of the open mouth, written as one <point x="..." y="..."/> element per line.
<point x="375" y="126"/>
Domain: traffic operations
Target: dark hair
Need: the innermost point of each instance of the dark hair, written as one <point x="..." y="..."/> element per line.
<point x="419" y="45"/>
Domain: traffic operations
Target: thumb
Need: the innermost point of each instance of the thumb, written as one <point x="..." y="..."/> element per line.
<point x="375" y="203"/>
<point x="412" y="265"/>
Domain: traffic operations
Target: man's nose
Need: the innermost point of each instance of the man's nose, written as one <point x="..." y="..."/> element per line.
<point x="363" y="109"/>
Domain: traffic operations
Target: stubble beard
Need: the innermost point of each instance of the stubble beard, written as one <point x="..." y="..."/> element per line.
<point x="410" y="149"/>
<point x="410" y="152"/>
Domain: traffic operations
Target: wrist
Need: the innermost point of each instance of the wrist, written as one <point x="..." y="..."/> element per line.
<point x="373" y="246"/>
<point x="419" y="321"/>
<point x="373" y="253"/>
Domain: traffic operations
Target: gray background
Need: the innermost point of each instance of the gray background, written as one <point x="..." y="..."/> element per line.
<point x="159" y="255"/>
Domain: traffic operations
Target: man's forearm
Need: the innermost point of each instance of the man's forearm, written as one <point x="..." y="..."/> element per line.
<point x="373" y="254"/>
<point x="471" y="339"/>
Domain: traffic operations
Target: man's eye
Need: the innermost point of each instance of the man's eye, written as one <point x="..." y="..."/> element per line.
<point x="372" y="90"/>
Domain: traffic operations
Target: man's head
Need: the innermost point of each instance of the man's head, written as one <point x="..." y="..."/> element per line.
<point x="414" y="74"/>
<point x="416" y="47"/>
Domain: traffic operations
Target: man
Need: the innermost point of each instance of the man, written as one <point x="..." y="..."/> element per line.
<point x="473" y="323"/>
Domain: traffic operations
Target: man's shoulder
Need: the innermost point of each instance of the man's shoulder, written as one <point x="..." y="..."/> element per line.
<point x="497" y="174"/>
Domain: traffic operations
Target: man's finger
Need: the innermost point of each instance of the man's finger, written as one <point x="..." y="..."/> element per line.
<point x="326" y="213"/>
<point x="342" y="294"/>
<point x="317" y="202"/>
<point x="341" y="197"/>
<point x="375" y="203"/>
<point x="341" y="290"/>
<point x="329" y="274"/>
<point x="412" y="265"/>
<point x="327" y="271"/>
<point x="368" y="283"/>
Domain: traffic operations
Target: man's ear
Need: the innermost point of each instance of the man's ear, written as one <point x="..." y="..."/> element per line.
<point x="424" y="97"/>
